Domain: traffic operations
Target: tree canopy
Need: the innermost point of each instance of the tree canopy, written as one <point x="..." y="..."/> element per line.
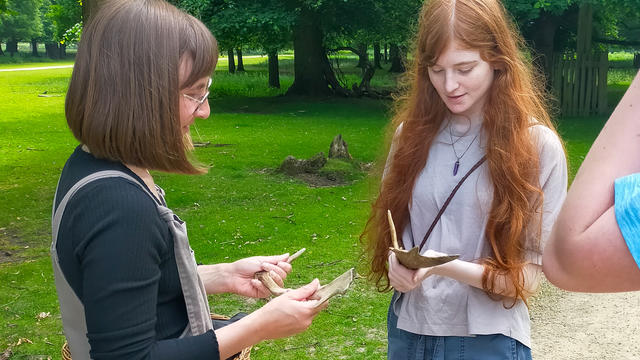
<point x="21" y="21"/>
<point x="66" y="16"/>
<point x="315" y="28"/>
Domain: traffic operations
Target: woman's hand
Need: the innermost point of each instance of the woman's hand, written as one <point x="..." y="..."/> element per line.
<point x="286" y="315"/>
<point x="237" y="277"/>
<point x="242" y="271"/>
<point x="404" y="279"/>
<point x="289" y="313"/>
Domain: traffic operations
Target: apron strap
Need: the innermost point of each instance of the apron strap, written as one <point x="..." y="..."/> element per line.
<point x="72" y="309"/>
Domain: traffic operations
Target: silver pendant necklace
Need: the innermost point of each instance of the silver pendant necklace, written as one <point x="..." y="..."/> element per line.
<point x="456" y="166"/>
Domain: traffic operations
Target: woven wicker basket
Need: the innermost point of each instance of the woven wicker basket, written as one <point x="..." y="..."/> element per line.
<point x="244" y="355"/>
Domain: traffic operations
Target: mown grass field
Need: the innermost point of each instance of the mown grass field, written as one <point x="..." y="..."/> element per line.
<point x="242" y="207"/>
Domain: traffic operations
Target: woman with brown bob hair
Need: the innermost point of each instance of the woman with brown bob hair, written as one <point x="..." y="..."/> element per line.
<point x="474" y="111"/>
<point x="126" y="277"/>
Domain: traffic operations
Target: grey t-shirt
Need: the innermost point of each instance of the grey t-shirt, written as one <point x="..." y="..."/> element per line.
<point x="442" y="306"/>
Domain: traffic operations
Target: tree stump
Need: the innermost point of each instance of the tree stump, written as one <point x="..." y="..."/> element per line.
<point x="338" y="149"/>
<point x="292" y="166"/>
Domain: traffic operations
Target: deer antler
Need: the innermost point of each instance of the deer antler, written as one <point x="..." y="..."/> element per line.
<point x="268" y="282"/>
<point x="392" y="227"/>
<point x="338" y="286"/>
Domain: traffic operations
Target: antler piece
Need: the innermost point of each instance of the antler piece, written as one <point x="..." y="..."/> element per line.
<point x="392" y="227"/>
<point x="413" y="260"/>
<point x="268" y="282"/>
<point x="338" y="286"/>
<point x="295" y="255"/>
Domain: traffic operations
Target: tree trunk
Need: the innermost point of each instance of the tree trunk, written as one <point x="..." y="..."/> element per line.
<point x="274" y="69"/>
<point x="330" y="75"/>
<point x="1" y="52"/>
<point x="376" y="55"/>
<point x="363" y="57"/>
<point x="386" y="53"/>
<point x="12" y="47"/>
<point x="585" y="29"/>
<point x="338" y="149"/>
<point x="583" y="57"/>
<point x="62" y="51"/>
<point x="240" y="62"/>
<point x="397" y="61"/>
<point x="365" y="85"/>
<point x="34" y="48"/>
<point x="89" y="8"/>
<point x="543" y="39"/>
<point x="309" y="57"/>
<point x="51" y="50"/>
<point x="232" y="61"/>
<point x="636" y="60"/>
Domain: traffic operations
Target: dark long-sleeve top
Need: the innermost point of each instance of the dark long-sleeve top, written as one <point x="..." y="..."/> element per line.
<point x="117" y="254"/>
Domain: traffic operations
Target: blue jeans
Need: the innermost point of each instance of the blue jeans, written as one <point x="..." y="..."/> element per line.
<point x="404" y="345"/>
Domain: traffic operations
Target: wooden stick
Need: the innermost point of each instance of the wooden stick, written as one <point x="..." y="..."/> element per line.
<point x="392" y="227"/>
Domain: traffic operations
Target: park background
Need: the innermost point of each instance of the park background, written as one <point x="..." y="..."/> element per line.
<point x="349" y="62"/>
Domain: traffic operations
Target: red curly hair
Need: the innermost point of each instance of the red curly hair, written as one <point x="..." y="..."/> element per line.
<point x="514" y="99"/>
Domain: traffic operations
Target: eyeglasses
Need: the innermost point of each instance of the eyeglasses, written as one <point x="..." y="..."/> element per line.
<point x="202" y="99"/>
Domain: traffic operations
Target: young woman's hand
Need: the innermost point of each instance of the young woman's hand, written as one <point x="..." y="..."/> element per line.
<point x="403" y="279"/>
<point x="290" y="313"/>
<point x="241" y="274"/>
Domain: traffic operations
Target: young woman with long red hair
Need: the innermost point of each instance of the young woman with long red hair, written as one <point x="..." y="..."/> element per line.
<point x="473" y="110"/>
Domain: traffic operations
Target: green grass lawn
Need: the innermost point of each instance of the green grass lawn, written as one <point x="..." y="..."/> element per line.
<point x="240" y="208"/>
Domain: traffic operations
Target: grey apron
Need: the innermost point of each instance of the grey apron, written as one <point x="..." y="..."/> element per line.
<point x="71" y="308"/>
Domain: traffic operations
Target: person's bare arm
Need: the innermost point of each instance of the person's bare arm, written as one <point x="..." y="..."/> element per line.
<point x="404" y="279"/>
<point x="586" y="250"/>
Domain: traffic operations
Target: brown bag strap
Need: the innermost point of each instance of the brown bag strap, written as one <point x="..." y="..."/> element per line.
<point x="446" y="203"/>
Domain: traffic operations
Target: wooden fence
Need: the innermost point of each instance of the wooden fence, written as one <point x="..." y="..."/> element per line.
<point x="580" y="83"/>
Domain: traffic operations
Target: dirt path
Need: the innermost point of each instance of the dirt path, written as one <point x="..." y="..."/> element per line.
<point x="568" y="326"/>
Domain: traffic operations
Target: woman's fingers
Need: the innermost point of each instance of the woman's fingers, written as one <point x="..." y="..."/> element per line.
<point x="420" y="275"/>
<point x="277" y="273"/>
<point x="396" y="280"/>
<point x="261" y="290"/>
<point x="285" y="266"/>
<point x="304" y="292"/>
